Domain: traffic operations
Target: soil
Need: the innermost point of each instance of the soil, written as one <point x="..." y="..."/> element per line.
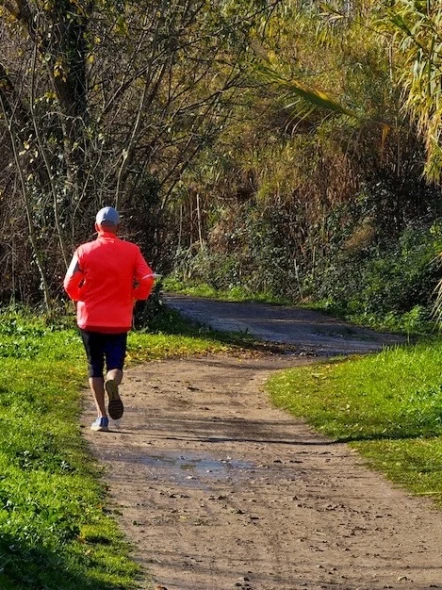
<point x="218" y="490"/>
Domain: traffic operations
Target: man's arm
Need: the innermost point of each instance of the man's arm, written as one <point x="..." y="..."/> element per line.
<point x="144" y="278"/>
<point x="73" y="279"/>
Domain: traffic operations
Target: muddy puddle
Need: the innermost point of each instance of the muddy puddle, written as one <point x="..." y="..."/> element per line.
<point x="185" y="465"/>
<point x="188" y="469"/>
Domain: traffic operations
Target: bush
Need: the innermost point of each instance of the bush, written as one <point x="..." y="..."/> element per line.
<point x="393" y="279"/>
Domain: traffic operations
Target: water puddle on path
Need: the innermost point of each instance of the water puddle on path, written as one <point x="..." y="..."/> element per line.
<point x="193" y="464"/>
<point x="194" y="468"/>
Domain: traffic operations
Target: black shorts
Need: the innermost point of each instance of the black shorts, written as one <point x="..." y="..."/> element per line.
<point x="100" y="347"/>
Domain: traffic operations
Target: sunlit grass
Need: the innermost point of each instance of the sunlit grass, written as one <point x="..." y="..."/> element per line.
<point x="55" y="531"/>
<point x="235" y="293"/>
<point x="388" y="406"/>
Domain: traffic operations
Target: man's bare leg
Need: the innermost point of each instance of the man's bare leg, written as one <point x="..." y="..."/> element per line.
<point x="97" y="387"/>
<point x="116" y="375"/>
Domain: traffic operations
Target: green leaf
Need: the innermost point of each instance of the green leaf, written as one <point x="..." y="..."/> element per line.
<point x="295" y="90"/>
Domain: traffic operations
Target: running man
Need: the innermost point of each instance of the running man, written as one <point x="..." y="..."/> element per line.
<point x="105" y="278"/>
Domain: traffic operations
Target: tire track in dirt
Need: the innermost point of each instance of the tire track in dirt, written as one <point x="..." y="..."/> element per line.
<point x="218" y="490"/>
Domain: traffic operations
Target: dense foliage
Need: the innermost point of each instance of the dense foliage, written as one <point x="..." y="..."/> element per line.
<point x="289" y="147"/>
<point x="322" y="187"/>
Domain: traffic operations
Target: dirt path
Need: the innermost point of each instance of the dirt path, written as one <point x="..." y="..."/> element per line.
<point x="218" y="490"/>
<point x="304" y="328"/>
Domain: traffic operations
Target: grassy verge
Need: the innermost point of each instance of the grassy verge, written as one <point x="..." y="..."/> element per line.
<point x="416" y="323"/>
<point x="54" y="529"/>
<point x="235" y="293"/>
<point x="388" y="406"/>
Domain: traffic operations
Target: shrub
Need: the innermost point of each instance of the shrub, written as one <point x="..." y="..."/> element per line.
<point x="395" y="278"/>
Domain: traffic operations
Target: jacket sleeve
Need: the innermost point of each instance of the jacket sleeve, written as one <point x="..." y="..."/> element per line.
<point x="144" y="278"/>
<point x="73" y="279"/>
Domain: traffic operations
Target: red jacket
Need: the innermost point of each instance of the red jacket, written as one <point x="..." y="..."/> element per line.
<point x="105" y="278"/>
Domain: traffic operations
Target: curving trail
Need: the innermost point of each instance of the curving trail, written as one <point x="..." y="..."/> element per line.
<point x="218" y="490"/>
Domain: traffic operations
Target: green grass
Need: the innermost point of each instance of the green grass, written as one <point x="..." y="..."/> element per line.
<point x="388" y="406"/>
<point x="417" y="322"/>
<point x="235" y="293"/>
<point x="55" y="531"/>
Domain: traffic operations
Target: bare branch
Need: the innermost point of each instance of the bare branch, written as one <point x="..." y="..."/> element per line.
<point x="28" y="206"/>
